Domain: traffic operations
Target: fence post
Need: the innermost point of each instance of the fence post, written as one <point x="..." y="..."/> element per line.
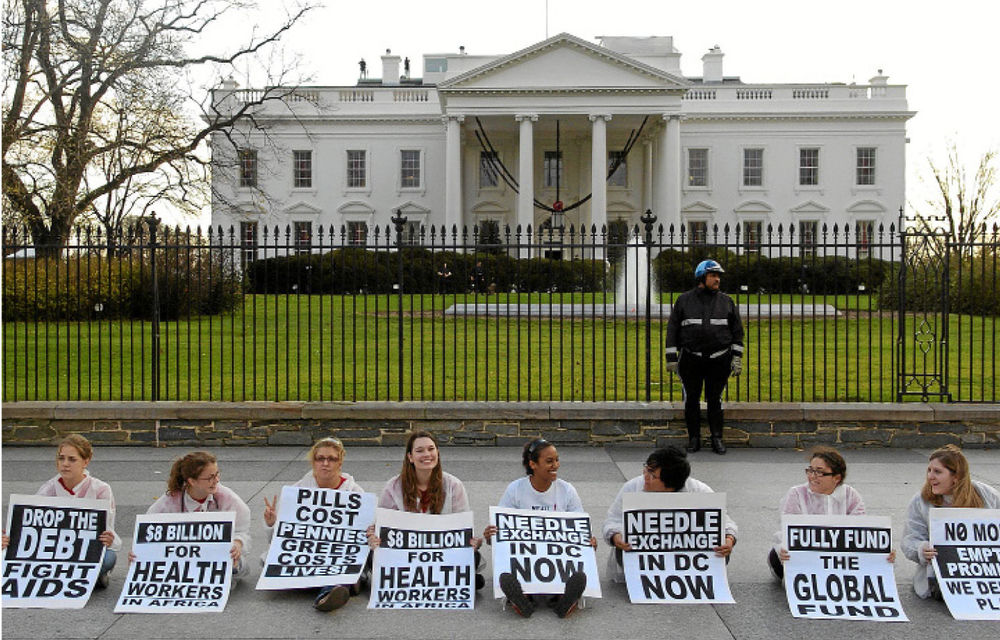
<point x="398" y="220"/>
<point x="648" y="219"/>
<point x="154" y="356"/>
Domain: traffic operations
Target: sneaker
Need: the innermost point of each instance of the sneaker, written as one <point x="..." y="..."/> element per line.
<point x="512" y="589"/>
<point x="575" y="587"/>
<point x="331" y="599"/>
<point x="104" y="580"/>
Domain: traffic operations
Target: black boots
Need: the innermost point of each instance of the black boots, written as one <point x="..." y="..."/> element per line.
<point x="717" y="445"/>
<point x="694" y="444"/>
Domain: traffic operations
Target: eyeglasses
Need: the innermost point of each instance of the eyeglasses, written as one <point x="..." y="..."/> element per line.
<point x="538" y="445"/>
<point x="330" y="459"/>
<point x="818" y="472"/>
<point x="215" y="476"/>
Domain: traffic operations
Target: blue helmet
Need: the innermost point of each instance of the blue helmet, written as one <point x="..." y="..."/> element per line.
<point x="707" y="266"/>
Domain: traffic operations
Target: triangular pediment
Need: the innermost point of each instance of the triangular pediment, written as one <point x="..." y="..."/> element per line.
<point x="699" y="207"/>
<point x="412" y="208"/>
<point x="355" y="207"/>
<point x="811" y="207"/>
<point x="302" y="208"/>
<point x="753" y="207"/>
<point x="563" y="62"/>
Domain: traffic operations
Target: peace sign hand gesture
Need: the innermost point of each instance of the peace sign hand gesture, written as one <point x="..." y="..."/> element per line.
<point x="270" y="511"/>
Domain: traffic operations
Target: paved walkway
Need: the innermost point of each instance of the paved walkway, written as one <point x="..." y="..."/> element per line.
<point x="755" y="481"/>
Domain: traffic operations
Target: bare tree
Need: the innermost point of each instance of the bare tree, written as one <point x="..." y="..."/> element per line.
<point x="94" y="107"/>
<point x="963" y="204"/>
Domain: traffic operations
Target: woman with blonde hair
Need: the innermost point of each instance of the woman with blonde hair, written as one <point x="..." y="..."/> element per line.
<point x="195" y="485"/>
<point x="327" y="458"/>
<point x="73" y="480"/>
<point x="947" y="484"/>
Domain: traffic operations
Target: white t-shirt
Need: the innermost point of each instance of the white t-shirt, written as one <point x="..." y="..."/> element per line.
<point x="561" y="496"/>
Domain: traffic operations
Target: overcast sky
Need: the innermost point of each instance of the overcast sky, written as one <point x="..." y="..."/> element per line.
<point x="945" y="52"/>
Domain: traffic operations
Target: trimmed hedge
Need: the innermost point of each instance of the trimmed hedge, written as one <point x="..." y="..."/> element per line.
<point x="191" y="282"/>
<point x="355" y="270"/>
<point x="973" y="286"/>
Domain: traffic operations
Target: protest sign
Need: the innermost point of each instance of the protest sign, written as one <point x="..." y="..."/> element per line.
<point x="839" y="569"/>
<point x="672" y="537"/>
<point x="423" y="562"/>
<point x="319" y="539"/>
<point x="54" y="554"/>
<point x="542" y="549"/>
<point x="182" y="563"/>
<point x="968" y="561"/>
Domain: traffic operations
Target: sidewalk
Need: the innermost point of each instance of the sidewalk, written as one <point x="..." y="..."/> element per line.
<point x="753" y="479"/>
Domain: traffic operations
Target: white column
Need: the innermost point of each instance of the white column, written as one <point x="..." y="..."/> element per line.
<point x="526" y="175"/>
<point x="661" y="169"/>
<point x="599" y="171"/>
<point x="675" y="169"/>
<point x="647" y="174"/>
<point x="453" y="174"/>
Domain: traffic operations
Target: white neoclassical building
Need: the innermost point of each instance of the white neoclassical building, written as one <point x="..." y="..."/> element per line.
<point x="503" y="138"/>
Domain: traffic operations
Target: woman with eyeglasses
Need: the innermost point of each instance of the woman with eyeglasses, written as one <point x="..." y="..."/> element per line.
<point x="541" y="490"/>
<point x="326" y="457"/>
<point x="422" y="486"/>
<point x="72" y="480"/>
<point x="194" y="486"/>
<point x="948" y="483"/>
<point x="824" y="493"/>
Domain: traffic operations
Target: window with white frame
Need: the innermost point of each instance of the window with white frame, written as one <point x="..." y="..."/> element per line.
<point x="357" y="169"/>
<point x="697" y="168"/>
<point x="248" y="242"/>
<point x="411" y="233"/>
<point x="248" y="167"/>
<point x="409" y="168"/>
<point x="489" y="163"/>
<point x="357" y="233"/>
<point x="809" y="166"/>
<point x="302" y="169"/>
<point x="753" y="167"/>
<point x="553" y="167"/>
<point x="698" y="233"/>
<point x="751" y="235"/>
<point x="620" y="177"/>
<point x="303" y="236"/>
<point x="865" y="166"/>
<point x="864" y="232"/>
<point x="808" y="230"/>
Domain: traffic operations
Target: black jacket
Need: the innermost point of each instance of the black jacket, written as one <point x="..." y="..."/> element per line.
<point x="704" y="322"/>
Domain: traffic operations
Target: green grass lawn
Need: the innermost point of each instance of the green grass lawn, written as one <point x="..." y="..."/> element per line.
<point x="349" y="348"/>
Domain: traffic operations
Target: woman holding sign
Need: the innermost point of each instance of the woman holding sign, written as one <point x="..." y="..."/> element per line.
<point x="422" y="486"/>
<point x="327" y="458"/>
<point x="74" y="481"/>
<point x="195" y="485"/>
<point x="824" y="493"/>
<point x="541" y="490"/>
<point x="947" y="484"/>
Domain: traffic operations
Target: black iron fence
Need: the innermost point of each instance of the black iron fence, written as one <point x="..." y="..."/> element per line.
<point x="832" y="312"/>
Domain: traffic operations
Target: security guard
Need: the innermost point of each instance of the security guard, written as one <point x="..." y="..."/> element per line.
<point x="705" y="345"/>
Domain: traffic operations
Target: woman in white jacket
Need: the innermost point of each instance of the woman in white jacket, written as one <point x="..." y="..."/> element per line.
<point x="74" y="481"/>
<point x="327" y="459"/>
<point x="824" y="493"/>
<point x="195" y="485"/>
<point x="947" y="484"/>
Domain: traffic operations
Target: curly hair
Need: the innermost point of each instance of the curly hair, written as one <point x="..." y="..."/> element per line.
<point x="189" y="466"/>
<point x="408" y="478"/>
<point x="964" y="494"/>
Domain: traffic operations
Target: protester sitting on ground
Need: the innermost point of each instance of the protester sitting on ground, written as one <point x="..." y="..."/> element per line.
<point x="666" y="470"/>
<point x="948" y="484"/>
<point x="422" y="486"/>
<point x="195" y="486"/>
<point x="73" y="455"/>
<point x="824" y="493"/>
<point x="327" y="458"/>
<point x="541" y="490"/>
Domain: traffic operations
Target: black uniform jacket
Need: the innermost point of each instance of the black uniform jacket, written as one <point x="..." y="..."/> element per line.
<point x="706" y="323"/>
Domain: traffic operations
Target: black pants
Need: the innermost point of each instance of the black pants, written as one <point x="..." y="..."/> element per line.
<point x="712" y="373"/>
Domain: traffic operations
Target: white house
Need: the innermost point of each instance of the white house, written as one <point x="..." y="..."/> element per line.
<point x="500" y="138"/>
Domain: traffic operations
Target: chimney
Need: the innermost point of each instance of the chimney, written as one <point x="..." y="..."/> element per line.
<point x="390" y="69"/>
<point x="712" y="65"/>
